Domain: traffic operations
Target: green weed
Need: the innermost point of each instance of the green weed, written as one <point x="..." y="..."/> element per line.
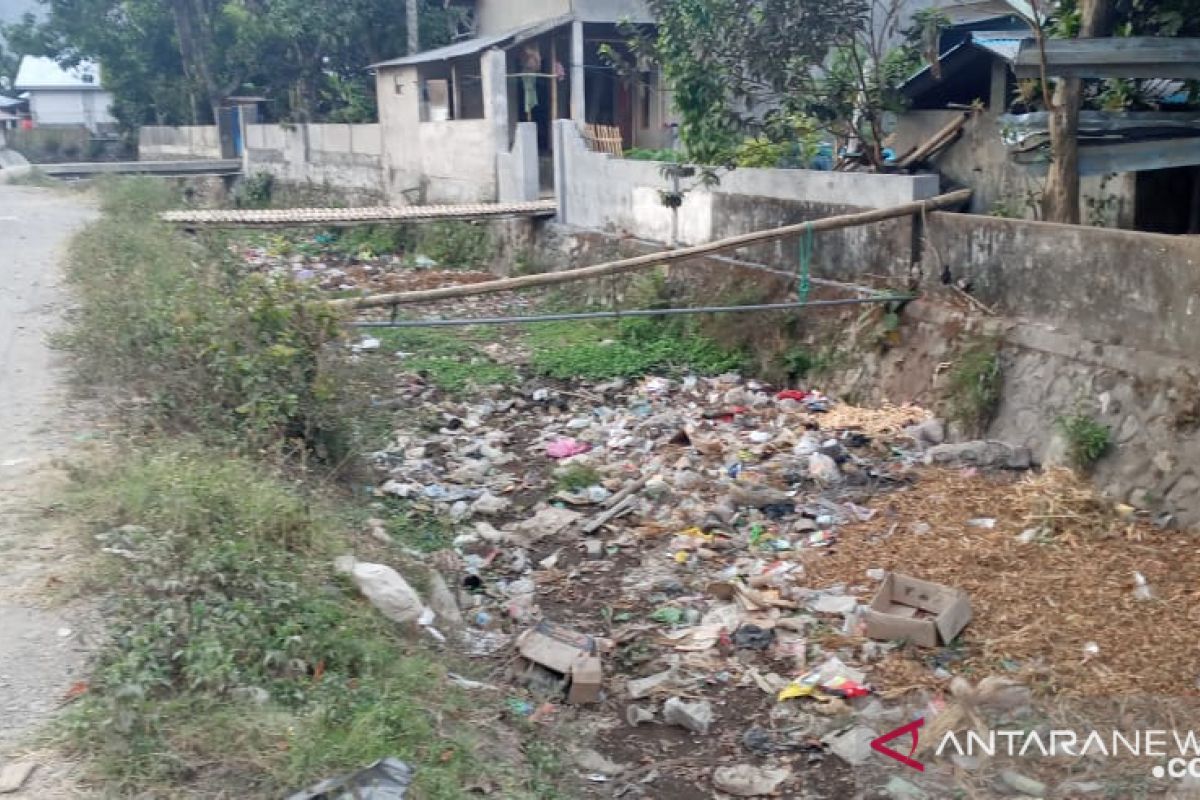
<point x="576" y="477"/>
<point x="450" y="361"/>
<point x="226" y="591"/>
<point x="212" y="348"/>
<point x="254" y="191"/>
<point x="454" y="244"/>
<point x="626" y="348"/>
<point x="973" y="386"/>
<point x="1087" y="440"/>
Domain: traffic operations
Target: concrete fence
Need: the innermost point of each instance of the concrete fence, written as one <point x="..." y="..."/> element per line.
<point x="624" y="196"/>
<point x="163" y="143"/>
<point x="346" y="157"/>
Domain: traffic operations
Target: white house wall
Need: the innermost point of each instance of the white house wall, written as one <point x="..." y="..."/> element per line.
<point x="68" y="107"/>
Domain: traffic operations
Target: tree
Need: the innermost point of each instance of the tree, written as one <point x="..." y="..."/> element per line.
<point x="176" y="61"/>
<point x="1060" y="198"/>
<point x="740" y="69"/>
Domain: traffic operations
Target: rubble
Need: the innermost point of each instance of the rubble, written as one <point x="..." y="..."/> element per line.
<point x="982" y="454"/>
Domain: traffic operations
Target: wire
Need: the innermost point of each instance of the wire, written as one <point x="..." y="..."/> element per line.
<point x="641" y="312"/>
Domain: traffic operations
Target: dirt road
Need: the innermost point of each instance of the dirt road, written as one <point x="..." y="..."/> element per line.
<point x="44" y="640"/>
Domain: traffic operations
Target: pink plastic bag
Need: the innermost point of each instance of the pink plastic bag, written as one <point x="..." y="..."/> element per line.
<point x="565" y="448"/>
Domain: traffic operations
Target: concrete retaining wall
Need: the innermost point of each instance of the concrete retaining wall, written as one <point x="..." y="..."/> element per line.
<point x="624" y="197"/>
<point x="162" y="143"/>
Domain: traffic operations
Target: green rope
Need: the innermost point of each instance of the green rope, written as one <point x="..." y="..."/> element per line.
<point x="803" y="269"/>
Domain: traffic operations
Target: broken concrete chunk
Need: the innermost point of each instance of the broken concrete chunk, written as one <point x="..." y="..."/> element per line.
<point x="696" y="717"/>
<point x="745" y="780"/>
<point x="384" y="587"/>
<point x="983" y="454"/>
<point x="929" y="433"/>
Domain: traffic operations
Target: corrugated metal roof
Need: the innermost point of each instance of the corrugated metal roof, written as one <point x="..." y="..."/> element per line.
<point x="1003" y="44"/>
<point x="37" y="72"/>
<point x="469" y="47"/>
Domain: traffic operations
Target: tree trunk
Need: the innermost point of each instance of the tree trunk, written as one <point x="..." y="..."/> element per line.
<point x="412" y="18"/>
<point x="1060" y="199"/>
<point x="193" y="50"/>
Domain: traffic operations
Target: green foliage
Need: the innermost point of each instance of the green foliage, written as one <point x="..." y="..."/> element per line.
<point x="254" y="191"/>
<point x="172" y="62"/>
<point x="226" y="586"/>
<point x="647" y="154"/>
<point x="627" y="348"/>
<point x="973" y="385"/>
<point x="826" y="63"/>
<point x="576" y="477"/>
<point x="214" y="349"/>
<point x="1087" y="440"/>
<point x="448" y="360"/>
<point x="370" y="241"/>
<point x="454" y="244"/>
<point x="796" y="152"/>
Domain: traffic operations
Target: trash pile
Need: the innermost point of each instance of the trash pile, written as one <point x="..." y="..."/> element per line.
<point x="315" y="259"/>
<point x="727" y="585"/>
<point x="650" y="551"/>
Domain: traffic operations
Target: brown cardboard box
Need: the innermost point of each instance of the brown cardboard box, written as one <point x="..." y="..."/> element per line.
<point x="567" y="652"/>
<point x="894" y="612"/>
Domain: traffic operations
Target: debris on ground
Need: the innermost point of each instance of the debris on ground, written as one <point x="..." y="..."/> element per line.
<point x="386" y="779"/>
<point x="723" y="557"/>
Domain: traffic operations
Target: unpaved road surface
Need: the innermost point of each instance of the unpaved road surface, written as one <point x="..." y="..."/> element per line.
<point x="44" y="638"/>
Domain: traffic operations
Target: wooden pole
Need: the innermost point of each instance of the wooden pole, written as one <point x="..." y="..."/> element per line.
<point x="655" y="259"/>
<point x="553" y="80"/>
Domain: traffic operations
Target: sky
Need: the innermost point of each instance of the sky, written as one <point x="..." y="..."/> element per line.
<point x="11" y="10"/>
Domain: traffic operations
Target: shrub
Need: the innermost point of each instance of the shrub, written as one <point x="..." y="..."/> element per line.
<point x="974" y="384"/>
<point x="1087" y="440"/>
<point x="454" y="244"/>
<point x="255" y="191"/>
<point x="212" y="348"/>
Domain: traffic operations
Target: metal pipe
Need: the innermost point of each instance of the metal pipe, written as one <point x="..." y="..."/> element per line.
<point x="643" y="312"/>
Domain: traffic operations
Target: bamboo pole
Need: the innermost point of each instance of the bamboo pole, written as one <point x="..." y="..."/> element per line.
<point x="948" y="130"/>
<point x="655" y="259"/>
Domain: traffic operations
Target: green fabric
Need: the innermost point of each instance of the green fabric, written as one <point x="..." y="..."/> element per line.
<point x="803" y="268"/>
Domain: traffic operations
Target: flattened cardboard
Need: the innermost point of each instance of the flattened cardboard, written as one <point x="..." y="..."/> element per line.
<point x="567" y="652"/>
<point x="951" y="609"/>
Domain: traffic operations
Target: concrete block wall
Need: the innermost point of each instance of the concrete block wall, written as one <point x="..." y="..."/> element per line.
<point x="164" y="143"/>
<point x="450" y="161"/>
<point x="346" y="157"/>
<point x="517" y="170"/>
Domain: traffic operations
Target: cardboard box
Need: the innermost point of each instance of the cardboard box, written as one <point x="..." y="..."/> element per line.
<point x="568" y="653"/>
<point x="894" y="613"/>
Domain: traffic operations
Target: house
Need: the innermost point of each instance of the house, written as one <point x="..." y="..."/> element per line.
<point x="12" y="111"/>
<point x="1138" y="169"/>
<point x="472" y="121"/>
<point x="64" y="97"/>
